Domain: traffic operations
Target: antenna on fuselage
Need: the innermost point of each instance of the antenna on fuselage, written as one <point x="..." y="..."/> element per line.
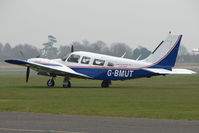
<point x="123" y="55"/>
<point x="139" y="57"/>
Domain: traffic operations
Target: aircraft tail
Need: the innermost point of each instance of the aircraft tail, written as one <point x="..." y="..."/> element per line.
<point x="164" y="56"/>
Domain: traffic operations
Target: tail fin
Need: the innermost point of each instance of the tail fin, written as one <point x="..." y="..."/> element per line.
<point x="164" y="56"/>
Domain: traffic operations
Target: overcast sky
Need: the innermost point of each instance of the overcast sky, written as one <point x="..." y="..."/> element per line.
<point x="134" y="22"/>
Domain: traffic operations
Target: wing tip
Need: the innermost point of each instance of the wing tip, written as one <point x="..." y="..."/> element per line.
<point x="16" y="61"/>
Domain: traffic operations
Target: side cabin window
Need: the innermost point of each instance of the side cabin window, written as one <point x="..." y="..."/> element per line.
<point x="98" y="62"/>
<point x="110" y="64"/>
<point x="74" y="58"/>
<point x="85" y="60"/>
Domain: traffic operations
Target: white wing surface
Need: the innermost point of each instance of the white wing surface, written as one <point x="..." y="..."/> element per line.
<point x="56" y="69"/>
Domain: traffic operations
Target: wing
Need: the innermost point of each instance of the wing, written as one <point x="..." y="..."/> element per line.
<point x="51" y="69"/>
<point x="173" y="71"/>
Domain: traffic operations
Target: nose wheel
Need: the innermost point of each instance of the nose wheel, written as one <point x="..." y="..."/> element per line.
<point x="51" y="83"/>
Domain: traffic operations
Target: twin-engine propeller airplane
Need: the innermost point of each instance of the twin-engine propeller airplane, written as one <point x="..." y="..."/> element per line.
<point x="89" y="65"/>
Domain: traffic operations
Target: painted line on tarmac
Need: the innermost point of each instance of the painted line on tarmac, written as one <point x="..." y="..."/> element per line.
<point x="34" y="130"/>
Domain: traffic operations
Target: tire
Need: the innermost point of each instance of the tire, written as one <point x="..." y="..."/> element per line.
<point x="105" y="84"/>
<point x="50" y="83"/>
<point x="67" y="85"/>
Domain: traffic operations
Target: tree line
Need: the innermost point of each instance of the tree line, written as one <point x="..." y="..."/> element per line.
<point x="25" y="51"/>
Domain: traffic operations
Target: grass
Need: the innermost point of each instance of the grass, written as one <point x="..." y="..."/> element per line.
<point x="170" y="97"/>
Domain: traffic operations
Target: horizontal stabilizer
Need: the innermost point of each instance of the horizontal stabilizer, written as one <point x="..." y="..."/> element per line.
<point x="173" y="71"/>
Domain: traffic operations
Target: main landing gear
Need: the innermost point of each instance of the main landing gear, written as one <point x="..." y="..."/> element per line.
<point x="106" y="83"/>
<point x="66" y="82"/>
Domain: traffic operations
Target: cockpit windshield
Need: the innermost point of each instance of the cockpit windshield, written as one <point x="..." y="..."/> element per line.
<point x="65" y="57"/>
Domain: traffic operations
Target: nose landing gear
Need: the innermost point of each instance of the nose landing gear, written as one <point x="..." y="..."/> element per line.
<point x="51" y="82"/>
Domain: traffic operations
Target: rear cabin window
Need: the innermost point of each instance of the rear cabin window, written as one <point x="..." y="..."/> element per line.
<point x="74" y="58"/>
<point x="110" y="64"/>
<point x="85" y="60"/>
<point x="98" y="62"/>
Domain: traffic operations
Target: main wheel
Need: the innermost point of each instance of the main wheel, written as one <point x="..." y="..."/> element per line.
<point x="105" y="84"/>
<point x="66" y="84"/>
<point x="50" y="83"/>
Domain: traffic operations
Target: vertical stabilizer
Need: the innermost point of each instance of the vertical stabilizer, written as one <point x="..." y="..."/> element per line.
<point x="166" y="53"/>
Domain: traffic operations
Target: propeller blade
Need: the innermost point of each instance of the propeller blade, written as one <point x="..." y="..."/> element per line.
<point x="72" y="49"/>
<point x="22" y="54"/>
<point x="27" y="74"/>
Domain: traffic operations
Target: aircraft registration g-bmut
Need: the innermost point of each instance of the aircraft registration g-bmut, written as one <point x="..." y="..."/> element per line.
<point x="89" y="65"/>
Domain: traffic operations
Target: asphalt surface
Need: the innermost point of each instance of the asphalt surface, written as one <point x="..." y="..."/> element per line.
<point x="11" y="122"/>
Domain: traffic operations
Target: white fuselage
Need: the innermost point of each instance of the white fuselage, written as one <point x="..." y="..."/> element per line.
<point x="117" y="62"/>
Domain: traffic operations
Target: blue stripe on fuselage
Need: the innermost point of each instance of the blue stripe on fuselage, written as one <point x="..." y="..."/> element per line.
<point x="112" y="74"/>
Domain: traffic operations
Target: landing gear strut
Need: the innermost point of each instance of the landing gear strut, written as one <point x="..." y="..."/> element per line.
<point x="51" y="82"/>
<point x="66" y="83"/>
<point x="106" y="83"/>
